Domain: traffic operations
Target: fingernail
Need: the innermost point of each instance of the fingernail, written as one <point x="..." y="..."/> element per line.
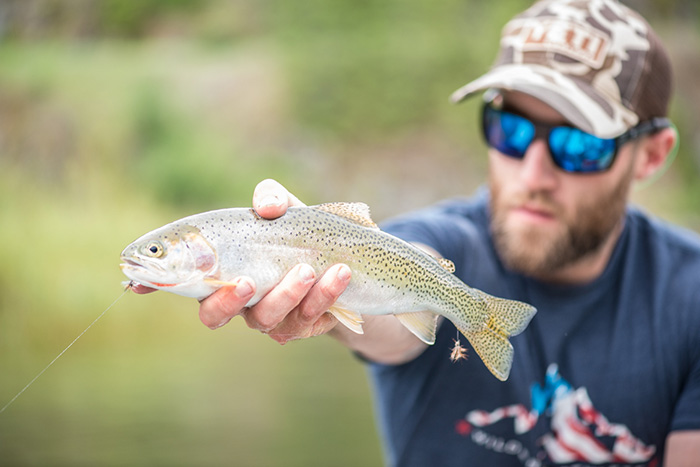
<point x="343" y="273"/>
<point x="217" y="326"/>
<point x="306" y="273"/>
<point x="269" y="201"/>
<point x="243" y="289"/>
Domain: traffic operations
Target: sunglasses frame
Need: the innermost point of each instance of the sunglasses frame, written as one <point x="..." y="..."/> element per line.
<point x="543" y="131"/>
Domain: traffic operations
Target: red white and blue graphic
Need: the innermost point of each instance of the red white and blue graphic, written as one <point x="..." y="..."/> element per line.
<point x="576" y="434"/>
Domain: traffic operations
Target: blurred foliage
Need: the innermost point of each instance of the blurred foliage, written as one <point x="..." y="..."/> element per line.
<point x="119" y="116"/>
<point x="370" y="68"/>
<point x="132" y="19"/>
<point x="161" y="136"/>
<point x="45" y="19"/>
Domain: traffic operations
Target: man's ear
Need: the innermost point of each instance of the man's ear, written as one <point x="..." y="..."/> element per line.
<point x="654" y="152"/>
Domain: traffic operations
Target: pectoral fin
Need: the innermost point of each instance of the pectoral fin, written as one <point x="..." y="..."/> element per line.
<point x="352" y="320"/>
<point x="421" y="323"/>
<point x="218" y="283"/>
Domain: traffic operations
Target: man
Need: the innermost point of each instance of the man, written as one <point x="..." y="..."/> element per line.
<point x="608" y="371"/>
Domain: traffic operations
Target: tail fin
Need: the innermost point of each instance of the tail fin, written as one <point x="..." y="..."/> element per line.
<point x="504" y="318"/>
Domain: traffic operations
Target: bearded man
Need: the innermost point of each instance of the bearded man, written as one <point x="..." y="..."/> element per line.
<point x="608" y="371"/>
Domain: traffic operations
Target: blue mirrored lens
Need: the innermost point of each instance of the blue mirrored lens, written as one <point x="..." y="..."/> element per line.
<point x="571" y="149"/>
<point x="508" y="133"/>
<point x="576" y="151"/>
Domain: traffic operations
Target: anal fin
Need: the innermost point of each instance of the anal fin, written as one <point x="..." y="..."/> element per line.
<point x="422" y="324"/>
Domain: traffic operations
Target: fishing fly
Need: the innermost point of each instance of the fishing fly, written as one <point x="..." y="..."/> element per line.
<point x="458" y="352"/>
<point x="127" y="287"/>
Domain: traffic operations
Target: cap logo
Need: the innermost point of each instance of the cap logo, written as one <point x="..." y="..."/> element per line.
<point x="574" y="40"/>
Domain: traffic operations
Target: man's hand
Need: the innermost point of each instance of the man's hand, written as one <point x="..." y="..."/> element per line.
<point x="296" y="307"/>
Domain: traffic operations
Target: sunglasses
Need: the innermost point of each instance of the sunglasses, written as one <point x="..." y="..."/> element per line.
<point x="572" y="150"/>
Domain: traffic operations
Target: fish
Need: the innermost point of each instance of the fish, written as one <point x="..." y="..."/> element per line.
<point x="199" y="254"/>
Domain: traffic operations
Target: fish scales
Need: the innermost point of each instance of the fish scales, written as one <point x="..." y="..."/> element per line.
<point x="373" y="256"/>
<point x="201" y="253"/>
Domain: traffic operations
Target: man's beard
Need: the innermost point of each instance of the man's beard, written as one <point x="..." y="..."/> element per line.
<point x="540" y="252"/>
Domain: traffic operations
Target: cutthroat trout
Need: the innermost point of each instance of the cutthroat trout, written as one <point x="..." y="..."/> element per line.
<point x="197" y="255"/>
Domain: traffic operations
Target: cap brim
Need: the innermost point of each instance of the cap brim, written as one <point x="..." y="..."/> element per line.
<point x="581" y="104"/>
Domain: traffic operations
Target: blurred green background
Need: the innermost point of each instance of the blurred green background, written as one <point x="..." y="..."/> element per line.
<point x="118" y="116"/>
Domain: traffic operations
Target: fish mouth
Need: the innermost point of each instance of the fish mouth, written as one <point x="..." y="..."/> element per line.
<point x="126" y="262"/>
<point x="147" y="273"/>
<point x="131" y="263"/>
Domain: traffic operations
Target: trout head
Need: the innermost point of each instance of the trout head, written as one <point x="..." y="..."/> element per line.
<point x="175" y="258"/>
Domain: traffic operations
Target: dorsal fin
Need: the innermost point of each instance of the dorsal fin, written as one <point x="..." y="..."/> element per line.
<point x="448" y="265"/>
<point x="354" y="212"/>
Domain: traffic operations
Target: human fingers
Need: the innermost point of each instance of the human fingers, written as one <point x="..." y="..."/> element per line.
<point x="271" y="199"/>
<point x="323" y="294"/>
<point x="309" y="318"/>
<point x="282" y="299"/>
<point x="227" y="302"/>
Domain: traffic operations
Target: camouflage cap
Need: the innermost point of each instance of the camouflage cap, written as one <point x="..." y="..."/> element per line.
<point x="596" y="62"/>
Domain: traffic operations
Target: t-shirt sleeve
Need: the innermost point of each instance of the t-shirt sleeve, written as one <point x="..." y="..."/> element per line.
<point x="687" y="412"/>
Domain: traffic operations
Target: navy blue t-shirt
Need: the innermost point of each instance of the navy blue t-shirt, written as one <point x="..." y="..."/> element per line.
<point x="600" y="377"/>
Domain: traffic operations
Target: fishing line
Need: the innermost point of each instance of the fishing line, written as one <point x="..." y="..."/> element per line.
<point x="126" y="289"/>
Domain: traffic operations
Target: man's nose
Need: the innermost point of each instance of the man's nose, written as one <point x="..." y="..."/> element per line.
<point x="538" y="169"/>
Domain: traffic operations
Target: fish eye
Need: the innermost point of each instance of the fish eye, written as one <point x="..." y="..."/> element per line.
<point x="154" y="249"/>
